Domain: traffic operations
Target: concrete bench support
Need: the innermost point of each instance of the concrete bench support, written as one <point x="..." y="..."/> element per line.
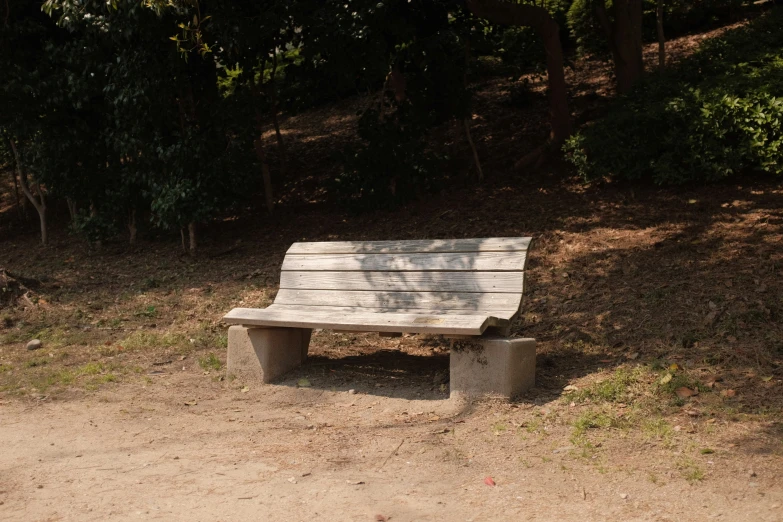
<point x="492" y="366"/>
<point x="265" y="354"/>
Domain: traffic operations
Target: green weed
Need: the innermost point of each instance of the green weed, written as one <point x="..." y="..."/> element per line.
<point x="210" y="362"/>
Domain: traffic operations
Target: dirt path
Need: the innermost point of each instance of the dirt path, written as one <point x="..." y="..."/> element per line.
<point x="189" y="447"/>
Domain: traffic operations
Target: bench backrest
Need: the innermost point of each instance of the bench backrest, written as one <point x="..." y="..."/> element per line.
<point x="455" y="275"/>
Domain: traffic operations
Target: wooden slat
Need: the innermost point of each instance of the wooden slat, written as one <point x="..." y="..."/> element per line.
<point x="493" y="244"/>
<point x="499" y="282"/>
<point x="361" y="321"/>
<point x="420" y="300"/>
<point x="481" y="262"/>
<point x="499" y="317"/>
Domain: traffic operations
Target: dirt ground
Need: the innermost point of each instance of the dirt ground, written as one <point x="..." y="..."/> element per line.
<point x="658" y="315"/>
<point x="188" y="448"/>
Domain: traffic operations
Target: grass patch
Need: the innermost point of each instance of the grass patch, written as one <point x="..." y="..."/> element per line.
<point x="691" y="471"/>
<point x="618" y="387"/>
<point x="591" y="420"/>
<point x="658" y="429"/>
<point x="210" y="362"/>
<point x="91" y="368"/>
<point x="148" y="311"/>
<point x="141" y="340"/>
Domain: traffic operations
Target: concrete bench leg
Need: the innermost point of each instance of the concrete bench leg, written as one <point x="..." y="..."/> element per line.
<point x="265" y="353"/>
<point x="492" y="366"/>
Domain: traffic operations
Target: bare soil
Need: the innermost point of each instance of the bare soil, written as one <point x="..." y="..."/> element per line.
<point x="634" y="294"/>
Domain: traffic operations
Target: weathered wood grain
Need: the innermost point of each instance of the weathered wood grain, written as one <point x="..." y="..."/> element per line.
<point x="498" y="317"/>
<point x="492" y="244"/>
<point x="480" y="262"/>
<point x="495" y="282"/>
<point x="360" y="321"/>
<point x="417" y="300"/>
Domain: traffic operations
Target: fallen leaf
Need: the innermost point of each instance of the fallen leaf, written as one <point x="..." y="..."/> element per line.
<point x="570" y="387"/>
<point x="666" y="378"/>
<point x="767" y="379"/>
<point x="684" y="392"/>
<point x="692" y="412"/>
<point x="710" y="380"/>
<point x="674" y="367"/>
<point x="354" y="482"/>
<point x="191" y="403"/>
<point x="634" y="355"/>
<point x="245" y="389"/>
<point x="489" y="482"/>
<point x="303" y="383"/>
<point x="381" y="518"/>
<point x="728" y="393"/>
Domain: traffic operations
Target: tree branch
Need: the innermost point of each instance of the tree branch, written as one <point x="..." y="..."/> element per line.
<point x="39" y="206"/>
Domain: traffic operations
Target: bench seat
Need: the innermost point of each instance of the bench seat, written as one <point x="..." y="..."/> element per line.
<point x="467" y="289"/>
<point x="445" y="322"/>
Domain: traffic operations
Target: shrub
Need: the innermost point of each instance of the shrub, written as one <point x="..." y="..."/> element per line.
<point x="585" y="30"/>
<point x="390" y="167"/>
<point x="718" y="114"/>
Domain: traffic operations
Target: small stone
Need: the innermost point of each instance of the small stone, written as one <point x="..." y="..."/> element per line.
<point x="35" y="344"/>
<point x="351" y="392"/>
<point x="751" y="473"/>
<point x="624" y="496"/>
<point x="292" y="480"/>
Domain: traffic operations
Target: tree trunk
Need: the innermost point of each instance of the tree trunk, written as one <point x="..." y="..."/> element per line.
<point x="476" y="160"/>
<point x="192" y="237"/>
<point x="276" y="121"/>
<point x="258" y="144"/>
<point x="466" y="120"/>
<point x="624" y="33"/>
<point x="72" y="210"/>
<point x="38" y="201"/>
<point x="661" y="36"/>
<point x="132" y="226"/>
<point x="265" y="174"/>
<point x="19" y="208"/>
<point x="538" y="18"/>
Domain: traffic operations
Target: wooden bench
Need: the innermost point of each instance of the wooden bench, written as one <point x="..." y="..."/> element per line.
<point x="466" y="289"/>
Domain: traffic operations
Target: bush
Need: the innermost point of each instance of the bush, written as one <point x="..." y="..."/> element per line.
<point x="521" y="47"/>
<point x="390" y="167"/>
<point x="718" y="114"/>
<point x="585" y="30"/>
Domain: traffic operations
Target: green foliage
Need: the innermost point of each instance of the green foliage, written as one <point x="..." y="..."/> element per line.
<point x="717" y="115"/>
<point x="210" y="362"/>
<point x="590" y="420"/>
<point x="584" y="29"/>
<point x="617" y="387"/>
<point x="391" y="166"/>
<point x="423" y="56"/>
